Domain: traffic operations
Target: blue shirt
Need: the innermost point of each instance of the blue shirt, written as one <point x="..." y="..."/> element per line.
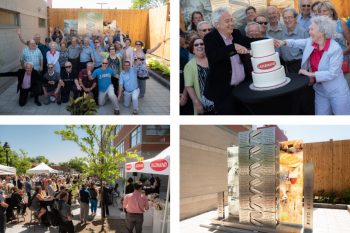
<point x="304" y="22"/>
<point x="98" y="58"/>
<point x="288" y="53"/>
<point x="129" y="80"/>
<point x="104" y="78"/>
<point x="86" y="54"/>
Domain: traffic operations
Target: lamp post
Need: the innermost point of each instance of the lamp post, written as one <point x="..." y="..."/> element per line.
<point x="101" y="4"/>
<point x="7" y="147"/>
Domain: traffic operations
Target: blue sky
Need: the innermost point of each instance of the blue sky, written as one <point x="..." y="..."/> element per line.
<point x="316" y="133"/>
<point x="39" y="140"/>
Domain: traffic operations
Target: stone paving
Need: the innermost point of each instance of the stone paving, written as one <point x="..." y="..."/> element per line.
<point x="155" y="102"/>
<point x="325" y="221"/>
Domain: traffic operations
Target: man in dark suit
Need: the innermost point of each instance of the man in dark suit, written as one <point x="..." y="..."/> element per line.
<point x="28" y="81"/>
<point x="223" y="46"/>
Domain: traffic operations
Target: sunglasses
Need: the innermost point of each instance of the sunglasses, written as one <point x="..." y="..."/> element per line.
<point x="50" y="67"/>
<point x="104" y="63"/>
<point x="137" y="44"/>
<point x="306" y="5"/>
<point x="261" y="23"/>
<point x="199" y="44"/>
<point x="141" y="59"/>
<point x="68" y="66"/>
<point x="206" y="30"/>
<point x="96" y="42"/>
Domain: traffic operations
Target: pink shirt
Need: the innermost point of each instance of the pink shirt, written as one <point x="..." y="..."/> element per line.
<point x="26" y="81"/>
<point x="135" y="202"/>
<point x="236" y="64"/>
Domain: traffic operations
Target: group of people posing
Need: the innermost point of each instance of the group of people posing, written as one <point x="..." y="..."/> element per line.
<point x="103" y="66"/>
<point x="215" y="59"/>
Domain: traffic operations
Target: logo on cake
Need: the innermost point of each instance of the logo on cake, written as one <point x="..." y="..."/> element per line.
<point x="266" y="65"/>
<point x="139" y="165"/>
<point x="159" y="165"/>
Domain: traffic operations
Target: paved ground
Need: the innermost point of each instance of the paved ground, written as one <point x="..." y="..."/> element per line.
<point x="155" y="102"/>
<point x="325" y="221"/>
<point x="115" y="222"/>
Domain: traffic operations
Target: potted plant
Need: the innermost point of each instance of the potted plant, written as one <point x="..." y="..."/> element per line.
<point x="83" y="105"/>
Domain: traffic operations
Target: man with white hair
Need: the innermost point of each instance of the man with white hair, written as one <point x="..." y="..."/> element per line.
<point x="70" y="82"/>
<point x="304" y="18"/>
<point x="33" y="55"/>
<point x="275" y="27"/>
<point x="222" y="46"/>
<point x="253" y="30"/>
<point x="28" y="81"/>
<point x="203" y="28"/>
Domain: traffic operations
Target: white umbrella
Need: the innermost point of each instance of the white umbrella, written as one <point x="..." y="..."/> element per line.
<point x="42" y="168"/>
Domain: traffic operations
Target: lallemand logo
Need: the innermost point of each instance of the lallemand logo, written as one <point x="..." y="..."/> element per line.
<point x="139" y="165"/>
<point x="159" y="165"/>
<point x="266" y="65"/>
<point x="128" y="167"/>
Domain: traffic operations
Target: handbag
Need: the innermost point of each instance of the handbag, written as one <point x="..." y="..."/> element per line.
<point x="345" y="65"/>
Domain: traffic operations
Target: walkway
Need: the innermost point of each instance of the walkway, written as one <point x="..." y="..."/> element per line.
<point x="155" y="102"/>
<point x="325" y="221"/>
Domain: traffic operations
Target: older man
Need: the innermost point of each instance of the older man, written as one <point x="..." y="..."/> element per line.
<point x="275" y="27"/>
<point x="73" y="53"/>
<point x="33" y="55"/>
<point x="28" y="81"/>
<point x="304" y="18"/>
<point x="70" y="83"/>
<point x="222" y="46"/>
<point x="292" y="56"/>
<point x="88" y="86"/>
<point x="262" y="21"/>
<point x="203" y="28"/>
<point x="51" y="85"/>
<point x="104" y="77"/>
<point x="128" y="83"/>
<point x="86" y="54"/>
<point x="253" y="30"/>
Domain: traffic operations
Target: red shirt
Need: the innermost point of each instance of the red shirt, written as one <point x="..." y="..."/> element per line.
<point x="316" y="55"/>
<point x="135" y="202"/>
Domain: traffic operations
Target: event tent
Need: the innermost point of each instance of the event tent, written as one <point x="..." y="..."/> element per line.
<point x="160" y="165"/>
<point x="5" y="170"/>
<point x="42" y="168"/>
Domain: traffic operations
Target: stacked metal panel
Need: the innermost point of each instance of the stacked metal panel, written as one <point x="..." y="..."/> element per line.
<point x="258" y="172"/>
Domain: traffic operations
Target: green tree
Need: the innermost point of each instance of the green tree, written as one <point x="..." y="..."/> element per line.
<point x="22" y="163"/>
<point x="41" y="159"/>
<point x="147" y="4"/>
<point x="103" y="160"/>
<point x="77" y="163"/>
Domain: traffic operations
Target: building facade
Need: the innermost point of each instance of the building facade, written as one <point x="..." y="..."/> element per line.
<point x="30" y="16"/>
<point x="203" y="165"/>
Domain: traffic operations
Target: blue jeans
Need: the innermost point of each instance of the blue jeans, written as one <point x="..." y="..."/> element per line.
<point x="93" y="205"/>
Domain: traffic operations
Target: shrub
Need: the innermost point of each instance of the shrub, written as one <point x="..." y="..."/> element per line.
<point x="84" y="105"/>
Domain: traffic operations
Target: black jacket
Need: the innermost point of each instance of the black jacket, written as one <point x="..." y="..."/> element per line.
<point x="34" y="81"/>
<point x="218" y="83"/>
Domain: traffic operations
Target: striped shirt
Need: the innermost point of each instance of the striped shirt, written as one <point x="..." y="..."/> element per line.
<point x="33" y="56"/>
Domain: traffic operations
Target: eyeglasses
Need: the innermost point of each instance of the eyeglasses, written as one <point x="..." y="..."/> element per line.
<point x="50" y="67"/>
<point x="96" y="42"/>
<point x="141" y="59"/>
<point x="68" y="66"/>
<point x="199" y="44"/>
<point x="261" y="23"/>
<point x="104" y="63"/>
<point x="206" y="30"/>
<point x="137" y="44"/>
<point x="306" y="5"/>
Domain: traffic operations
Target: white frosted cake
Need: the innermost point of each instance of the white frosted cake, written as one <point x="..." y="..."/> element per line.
<point x="268" y="72"/>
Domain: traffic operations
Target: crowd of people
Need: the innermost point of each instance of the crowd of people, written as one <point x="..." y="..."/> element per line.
<point x="215" y="57"/>
<point x="50" y="198"/>
<point x="104" y="66"/>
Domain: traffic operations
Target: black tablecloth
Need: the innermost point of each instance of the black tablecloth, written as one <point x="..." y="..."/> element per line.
<point x="286" y="100"/>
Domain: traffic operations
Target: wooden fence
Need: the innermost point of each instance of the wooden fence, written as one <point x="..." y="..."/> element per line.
<point x="332" y="164"/>
<point x="150" y="26"/>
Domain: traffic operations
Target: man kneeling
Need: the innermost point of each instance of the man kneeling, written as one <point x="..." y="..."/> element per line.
<point x="28" y="81"/>
<point x="51" y="85"/>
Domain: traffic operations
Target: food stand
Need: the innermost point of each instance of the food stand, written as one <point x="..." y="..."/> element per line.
<point x="158" y="165"/>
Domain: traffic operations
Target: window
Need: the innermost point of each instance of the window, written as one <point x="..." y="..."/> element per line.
<point x="120" y="147"/>
<point x="136" y="136"/>
<point x="158" y="130"/>
<point x="42" y="23"/>
<point x="9" y="18"/>
<point x="118" y="128"/>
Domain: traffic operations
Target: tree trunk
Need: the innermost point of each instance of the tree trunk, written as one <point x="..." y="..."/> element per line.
<point x="102" y="207"/>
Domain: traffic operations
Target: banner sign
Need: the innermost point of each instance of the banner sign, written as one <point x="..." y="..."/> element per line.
<point x="89" y="23"/>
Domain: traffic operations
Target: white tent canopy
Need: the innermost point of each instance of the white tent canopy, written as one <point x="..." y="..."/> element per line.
<point x="42" y="168"/>
<point x="159" y="164"/>
<point x="5" y="170"/>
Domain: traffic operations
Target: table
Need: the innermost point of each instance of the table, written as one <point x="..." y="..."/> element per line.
<point x="286" y="100"/>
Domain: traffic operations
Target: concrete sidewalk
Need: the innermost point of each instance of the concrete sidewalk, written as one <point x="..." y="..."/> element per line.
<point x="325" y="221"/>
<point x="155" y="102"/>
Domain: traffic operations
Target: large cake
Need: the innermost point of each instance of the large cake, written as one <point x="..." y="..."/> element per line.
<point x="268" y="72"/>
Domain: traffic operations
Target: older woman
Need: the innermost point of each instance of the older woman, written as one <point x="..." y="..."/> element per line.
<point x="63" y="58"/>
<point x="322" y="62"/>
<point x="52" y="57"/>
<point x="115" y="63"/>
<point x="196" y="73"/>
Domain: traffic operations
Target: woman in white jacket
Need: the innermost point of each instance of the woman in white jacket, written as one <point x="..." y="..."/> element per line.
<point x="322" y="63"/>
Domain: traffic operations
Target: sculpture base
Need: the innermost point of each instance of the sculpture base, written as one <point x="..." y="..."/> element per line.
<point x="232" y="225"/>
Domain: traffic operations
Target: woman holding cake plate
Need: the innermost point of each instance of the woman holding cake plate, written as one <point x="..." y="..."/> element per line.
<point x="322" y="63"/>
